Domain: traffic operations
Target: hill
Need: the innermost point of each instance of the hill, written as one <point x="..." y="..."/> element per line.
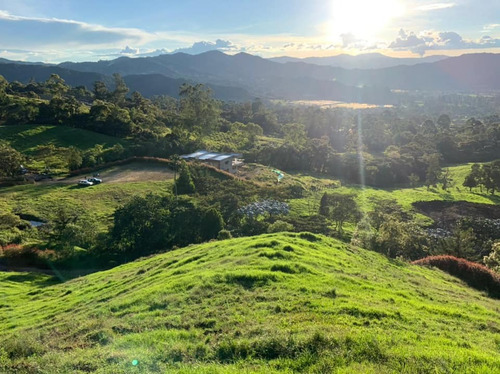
<point x="243" y="76"/>
<point x="40" y="73"/>
<point x="271" y="303"/>
<point x="26" y="138"/>
<point x="362" y="61"/>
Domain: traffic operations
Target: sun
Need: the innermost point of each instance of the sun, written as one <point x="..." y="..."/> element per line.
<point x="363" y="18"/>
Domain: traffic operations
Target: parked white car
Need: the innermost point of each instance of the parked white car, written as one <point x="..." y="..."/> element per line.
<point x="85" y="183"/>
<point x="94" y="180"/>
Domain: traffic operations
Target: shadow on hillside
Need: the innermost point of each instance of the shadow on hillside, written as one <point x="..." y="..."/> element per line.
<point x="33" y="278"/>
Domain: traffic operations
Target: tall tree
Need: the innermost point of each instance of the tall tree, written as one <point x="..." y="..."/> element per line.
<point x="184" y="184"/>
<point x="119" y="94"/>
<point x="340" y="208"/>
<point x="200" y="112"/>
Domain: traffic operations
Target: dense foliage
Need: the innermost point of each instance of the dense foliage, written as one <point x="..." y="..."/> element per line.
<point x="474" y="274"/>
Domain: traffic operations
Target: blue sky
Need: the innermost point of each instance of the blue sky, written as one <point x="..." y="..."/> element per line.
<point x="60" y="30"/>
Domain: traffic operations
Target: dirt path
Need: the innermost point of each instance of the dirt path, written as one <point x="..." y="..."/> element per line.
<point x="135" y="172"/>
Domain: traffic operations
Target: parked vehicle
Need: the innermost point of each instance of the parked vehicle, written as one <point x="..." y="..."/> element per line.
<point x="85" y="183"/>
<point x="95" y="180"/>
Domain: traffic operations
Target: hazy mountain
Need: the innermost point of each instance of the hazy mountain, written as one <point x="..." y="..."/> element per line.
<point x="467" y="73"/>
<point x="364" y="61"/>
<point x="242" y="75"/>
<point x="5" y="61"/>
<point x="156" y="84"/>
<point x="26" y="72"/>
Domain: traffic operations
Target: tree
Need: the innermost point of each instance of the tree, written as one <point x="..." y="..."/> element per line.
<point x="493" y="259"/>
<point x="101" y="91"/>
<point x="396" y="238"/>
<point x="340" y="208"/>
<point x="74" y="158"/>
<point x="433" y="172"/>
<point x="470" y="182"/>
<point x="211" y="224"/>
<point x="119" y="94"/>
<point x="444" y="122"/>
<point x="56" y="86"/>
<point x="184" y="184"/>
<point x="294" y="134"/>
<point x="199" y="111"/>
<point x="10" y="160"/>
<point x="446" y="179"/>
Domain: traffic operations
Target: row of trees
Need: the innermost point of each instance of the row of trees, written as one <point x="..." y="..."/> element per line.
<point x="485" y="175"/>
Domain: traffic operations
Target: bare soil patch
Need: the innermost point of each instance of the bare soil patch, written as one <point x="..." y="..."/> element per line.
<point x="134" y="172"/>
<point x="447" y="213"/>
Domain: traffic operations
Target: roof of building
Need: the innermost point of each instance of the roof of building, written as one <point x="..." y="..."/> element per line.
<point x="213" y="156"/>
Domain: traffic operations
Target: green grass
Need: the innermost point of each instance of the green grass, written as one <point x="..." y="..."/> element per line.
<point x="40" y="200"/>
<point x="272" y="303"/>
<point x="26" y="138"/>
<point x="404" y="196"/>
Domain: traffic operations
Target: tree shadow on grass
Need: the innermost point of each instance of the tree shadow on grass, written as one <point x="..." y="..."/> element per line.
<point x="33" y="278"/>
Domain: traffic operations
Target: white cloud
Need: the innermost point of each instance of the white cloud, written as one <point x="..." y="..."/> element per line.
<point x="435" y="40"/>
<point x="42" y="33"/>
<point x="435" y="6"/>
<point x="491" y="27"/>
<point x="129" y="51"/>
<point x="203" y="46"/>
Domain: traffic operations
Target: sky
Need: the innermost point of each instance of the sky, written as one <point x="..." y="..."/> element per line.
<point x="74" y="30"/>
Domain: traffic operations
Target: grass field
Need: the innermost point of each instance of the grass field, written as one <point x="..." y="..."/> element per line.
<point x="272" y="303"/>
<point x="120" y="184"/>
<point x="404" y="196"/>
<point x="25" y="138"/>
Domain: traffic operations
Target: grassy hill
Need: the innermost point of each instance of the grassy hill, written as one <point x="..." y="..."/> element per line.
<point x="26" y="138"/>
<point x="120" y="184"/>
<point x="315" y="185"/>
<point x="47" y="145"/>
<point x="271" y="303"/>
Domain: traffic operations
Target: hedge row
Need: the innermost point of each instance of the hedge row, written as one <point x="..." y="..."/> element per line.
<point x="474" y="274"/>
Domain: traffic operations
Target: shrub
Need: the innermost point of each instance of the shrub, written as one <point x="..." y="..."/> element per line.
<point x="224" y="234"/>
<point x="14" y="255"/>
<point x="279" y="226"/>
<point x="474" y="274"/>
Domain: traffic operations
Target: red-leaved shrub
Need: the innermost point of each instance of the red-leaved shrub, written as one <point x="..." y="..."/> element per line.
<point x="474" y="274"/>
<point x="14" y="255"/>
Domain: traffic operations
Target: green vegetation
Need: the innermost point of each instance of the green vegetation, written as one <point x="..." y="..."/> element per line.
<point x="280" y="302"/>
<point x="27" y="138"/>
<point x="273" y="303"/>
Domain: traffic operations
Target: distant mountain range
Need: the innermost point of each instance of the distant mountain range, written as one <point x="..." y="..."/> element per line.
<point x="364" y="61"/>
<point x="244" y="76"/>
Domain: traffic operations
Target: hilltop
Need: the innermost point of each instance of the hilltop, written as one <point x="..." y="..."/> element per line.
<point x="269" y="303"/>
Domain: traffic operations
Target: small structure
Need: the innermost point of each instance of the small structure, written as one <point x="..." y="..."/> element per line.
<point x="223" y="161"/>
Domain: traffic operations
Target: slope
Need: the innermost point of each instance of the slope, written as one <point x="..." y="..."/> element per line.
<point x="271" y="303"/>
<point x="26" y="138"/>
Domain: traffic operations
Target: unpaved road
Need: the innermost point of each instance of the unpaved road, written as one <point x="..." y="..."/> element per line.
<point x="135" y="172"/>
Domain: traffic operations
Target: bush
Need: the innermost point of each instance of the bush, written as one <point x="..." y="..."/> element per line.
<point x="474" y="274"/>
<point x="279" y="226"/>
<point x="14" y="255"/>
<point x="224" y="234"/>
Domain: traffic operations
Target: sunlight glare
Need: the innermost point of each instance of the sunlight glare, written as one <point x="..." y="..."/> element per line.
<point x="363" y="18"/>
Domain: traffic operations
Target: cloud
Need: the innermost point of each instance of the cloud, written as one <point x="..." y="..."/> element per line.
<point x="350" y="40"/>
<point x="129" y="51"/>
<point x="435" y="6"/>
<point x="46" y="33"/>
<point x="433" y="40"/>
<point x="491" y="27"/>
<point x="203" y="46"/>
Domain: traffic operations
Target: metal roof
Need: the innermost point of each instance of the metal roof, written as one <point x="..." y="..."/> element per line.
<point x="195" y="154"/>
<point x="206" y="155"/>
